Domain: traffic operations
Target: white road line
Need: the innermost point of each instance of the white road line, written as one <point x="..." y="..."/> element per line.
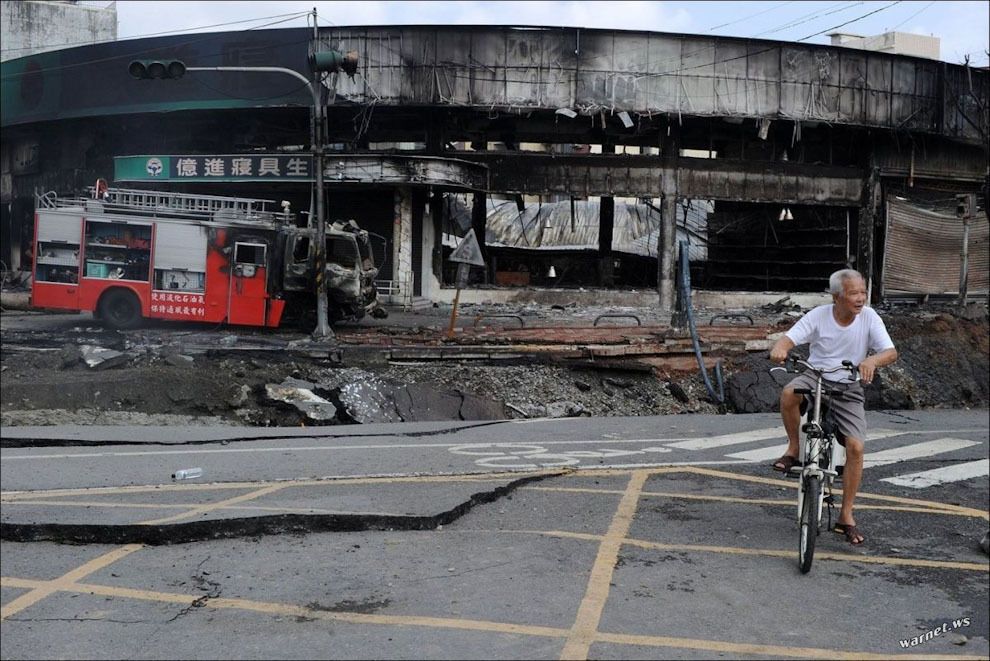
<point x="954" y="473"/>
<point x="916" y="451"/>
<point x="729" y="439"/>
<point x="766" y="454"/>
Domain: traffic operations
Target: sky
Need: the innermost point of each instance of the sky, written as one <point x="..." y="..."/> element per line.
<point x="961" y="25"/>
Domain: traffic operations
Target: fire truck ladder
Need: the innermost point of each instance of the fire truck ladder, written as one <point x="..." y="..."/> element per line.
<point x="211" y="206"/>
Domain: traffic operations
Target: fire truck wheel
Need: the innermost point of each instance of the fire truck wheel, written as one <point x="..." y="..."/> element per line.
<point x="120" y="309"/>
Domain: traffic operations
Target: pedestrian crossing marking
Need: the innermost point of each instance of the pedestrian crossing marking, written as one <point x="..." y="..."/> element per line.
<point x="954" y="473"/>
<point x="916" y="451"/>
<point x="766" y="454"/>
<point x="722" y="440"/>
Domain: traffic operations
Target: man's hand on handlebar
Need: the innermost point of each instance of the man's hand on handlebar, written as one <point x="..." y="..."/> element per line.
<point x="867" y="369"/>
<point x="779" y="353"/>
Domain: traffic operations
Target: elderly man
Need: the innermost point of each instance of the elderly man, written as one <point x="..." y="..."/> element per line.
<point x="845" y="330"/>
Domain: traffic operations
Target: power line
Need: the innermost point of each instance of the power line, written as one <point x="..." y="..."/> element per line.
<point x="913" y="15"/>
<point x="746" y="18"/>
<point x="143" y="51"/>
<point x="169" y="32"/>
<point x="811" y="18"/>
<point x="835" y="27"/>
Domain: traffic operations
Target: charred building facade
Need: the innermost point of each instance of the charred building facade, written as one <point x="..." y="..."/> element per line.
<point x="581" y="157"/>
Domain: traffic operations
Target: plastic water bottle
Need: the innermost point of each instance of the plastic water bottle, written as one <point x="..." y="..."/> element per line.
<point x="187" y="474"/>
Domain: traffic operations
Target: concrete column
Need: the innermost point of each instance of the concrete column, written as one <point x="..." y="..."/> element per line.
<point x="868" y="216"/>
<point x="479" y="220"/>
<point x="433" y="246"/>
<point x="667" y="244"/>
<point x="402" y="271"/>
<point x="606" y="227"/>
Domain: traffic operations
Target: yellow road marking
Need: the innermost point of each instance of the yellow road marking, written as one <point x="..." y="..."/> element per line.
<point x="766" y="650"/>
<point x="11" y="496"/>
<point x="209" y="507"/>
<point x="699" y="470"/>
<point x="275" y="608"/>
<point x="755" y="501"/>
<point x="185" y="506"/>
<point x="589" y="613"/>
<point x="777" y="553"/>
<point x="44" y="588"/>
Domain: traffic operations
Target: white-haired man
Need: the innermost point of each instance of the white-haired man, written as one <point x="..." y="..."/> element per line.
<point x="847" y="329"/>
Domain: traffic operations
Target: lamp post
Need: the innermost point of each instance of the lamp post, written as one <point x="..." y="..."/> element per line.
<point x="330" y="61"/>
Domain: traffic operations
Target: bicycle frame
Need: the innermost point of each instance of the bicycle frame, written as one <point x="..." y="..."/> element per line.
<point x="818" y="442"/>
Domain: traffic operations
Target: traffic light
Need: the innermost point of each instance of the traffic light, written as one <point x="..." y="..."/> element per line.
<point x="333" y="61"/>
<point x="965" y="205"/>
<point x="156" y="69"/>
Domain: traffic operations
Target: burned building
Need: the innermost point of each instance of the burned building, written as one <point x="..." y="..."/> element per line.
<point x="805" y="158"/>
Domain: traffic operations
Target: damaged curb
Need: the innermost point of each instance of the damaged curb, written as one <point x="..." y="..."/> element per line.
<point x="278" y="524"/>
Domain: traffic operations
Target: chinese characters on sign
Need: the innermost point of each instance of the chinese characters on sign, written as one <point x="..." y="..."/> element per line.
<point x="241" y="167"/>
<point x="190" y="306"/>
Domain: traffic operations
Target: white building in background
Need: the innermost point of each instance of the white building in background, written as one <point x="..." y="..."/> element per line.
<point x="35" y="26"/>
<point x="896" y="43"/>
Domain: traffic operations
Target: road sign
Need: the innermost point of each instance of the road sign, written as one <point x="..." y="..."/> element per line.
<point x="468" y="251"/>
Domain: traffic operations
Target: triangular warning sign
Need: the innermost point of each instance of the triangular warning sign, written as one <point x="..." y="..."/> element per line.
<point x="468" y="251"/>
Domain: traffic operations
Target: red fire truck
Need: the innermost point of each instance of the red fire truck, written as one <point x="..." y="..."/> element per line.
<point x="126" y="255"/>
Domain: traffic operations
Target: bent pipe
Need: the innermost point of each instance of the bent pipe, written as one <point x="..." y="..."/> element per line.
<point x="277" y="524"/>
<point x="685" y="285"/>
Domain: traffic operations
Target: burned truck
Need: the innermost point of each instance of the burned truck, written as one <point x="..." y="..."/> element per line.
<point x="128" y="255"/>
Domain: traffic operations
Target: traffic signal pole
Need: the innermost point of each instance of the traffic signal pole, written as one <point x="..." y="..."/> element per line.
<point x="322" y="330"/>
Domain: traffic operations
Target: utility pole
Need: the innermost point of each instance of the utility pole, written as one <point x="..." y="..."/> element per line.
<point x="965" y="209"/>
<point x="322" y="323"/>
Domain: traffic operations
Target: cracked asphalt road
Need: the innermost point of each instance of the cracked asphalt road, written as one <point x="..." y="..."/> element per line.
<point x="659" y="545"/>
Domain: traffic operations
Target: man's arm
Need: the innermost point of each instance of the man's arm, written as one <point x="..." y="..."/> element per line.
<point x="781" y="348"/>
<point x="869" y="366"/>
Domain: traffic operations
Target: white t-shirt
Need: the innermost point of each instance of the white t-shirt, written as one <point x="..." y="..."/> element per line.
<point x="832" y="343"/>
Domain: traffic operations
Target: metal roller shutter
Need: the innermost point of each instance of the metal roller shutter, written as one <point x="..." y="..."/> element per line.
<point x="923" y="249"/>
<point x="180" y="247"/>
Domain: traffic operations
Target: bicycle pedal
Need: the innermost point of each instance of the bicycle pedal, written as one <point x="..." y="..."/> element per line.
<point x="830" y="499"/>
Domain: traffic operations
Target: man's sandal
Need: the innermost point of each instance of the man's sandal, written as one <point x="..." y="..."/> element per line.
<point x="851" y="532"/>
<point x="785" y="464"/>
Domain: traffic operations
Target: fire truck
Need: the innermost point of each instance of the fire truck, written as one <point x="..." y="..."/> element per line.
<point x="129" y="255"/>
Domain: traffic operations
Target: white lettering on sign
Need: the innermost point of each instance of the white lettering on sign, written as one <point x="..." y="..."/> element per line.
<point x="240" y="167"/>
<point x="297" y="167"/>
<point x="268" y="166"/>
<point x="214" y="167"/>
<point x="187" y="167"/>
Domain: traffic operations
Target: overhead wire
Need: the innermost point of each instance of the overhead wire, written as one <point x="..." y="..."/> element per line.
<point x="835" y="27"/>
<point x="913" y="15"/>
<point x="746" y="18"/>
<point x="145" y="51"/>
<point x="812" y="17"/>
<point x="292" y="16"/>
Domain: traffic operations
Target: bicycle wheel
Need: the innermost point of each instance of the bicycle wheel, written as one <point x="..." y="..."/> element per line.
<point x="808" y="534"/>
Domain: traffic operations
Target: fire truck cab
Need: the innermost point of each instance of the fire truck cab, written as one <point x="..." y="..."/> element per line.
<point x="127" y="255"/>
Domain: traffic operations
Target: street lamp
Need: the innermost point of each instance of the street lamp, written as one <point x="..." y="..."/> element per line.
<point x="329" y="61"/>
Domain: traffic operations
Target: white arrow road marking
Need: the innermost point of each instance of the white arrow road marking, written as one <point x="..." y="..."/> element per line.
<point x="954" y="473"/>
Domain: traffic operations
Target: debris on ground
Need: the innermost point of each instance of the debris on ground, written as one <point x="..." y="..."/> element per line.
<point x="80" y="373"/>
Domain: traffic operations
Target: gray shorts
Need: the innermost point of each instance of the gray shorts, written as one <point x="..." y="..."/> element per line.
<point x="848" y="413"/>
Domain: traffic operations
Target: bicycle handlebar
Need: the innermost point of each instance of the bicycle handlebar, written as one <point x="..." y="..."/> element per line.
<point x="793" y="362"/>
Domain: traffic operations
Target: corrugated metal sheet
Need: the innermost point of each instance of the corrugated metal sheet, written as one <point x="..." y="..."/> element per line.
<point x="923" y="248"/>
<point x="549" y="226"/>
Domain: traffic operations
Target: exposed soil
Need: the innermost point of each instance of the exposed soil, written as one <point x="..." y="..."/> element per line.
<point x="161" y="379"/>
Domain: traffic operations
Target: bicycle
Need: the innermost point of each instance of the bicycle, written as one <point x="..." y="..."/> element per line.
<point x="816" y="466"/>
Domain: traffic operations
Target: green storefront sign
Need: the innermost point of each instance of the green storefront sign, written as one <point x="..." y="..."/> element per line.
<point x="214" y="168"/>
